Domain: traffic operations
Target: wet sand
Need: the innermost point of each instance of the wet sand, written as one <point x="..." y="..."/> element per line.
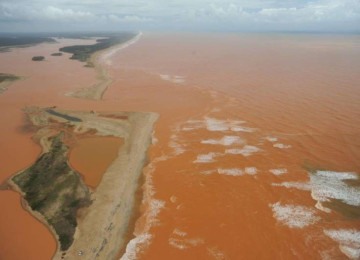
<point x="209" y="188"/>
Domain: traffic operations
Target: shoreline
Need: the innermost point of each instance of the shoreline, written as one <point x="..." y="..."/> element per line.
<point x="121" y="180"/>
<point x="115" y="198"/>
<point x="97" y="90"/>
<point x="4" y="85"/>
<point x="24" y="204"/>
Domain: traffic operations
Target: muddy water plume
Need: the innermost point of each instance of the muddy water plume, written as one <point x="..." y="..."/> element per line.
<point x="91" y="157"/>
<point x="240" y="116"/>
<point x="43" y="84"/>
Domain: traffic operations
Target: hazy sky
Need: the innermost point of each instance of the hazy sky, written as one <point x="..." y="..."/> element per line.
<point x="218" y="15"/>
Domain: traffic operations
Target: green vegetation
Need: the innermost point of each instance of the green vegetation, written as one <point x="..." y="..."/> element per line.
<point x="38" y="58"/>
<point x="83" y="52"/>
<point x="8" y="77"/>
<point x="53" y="189"/>
<point x="57" y="54"/>
<point x="20" y="40"/>
<point x="6" y="80"/>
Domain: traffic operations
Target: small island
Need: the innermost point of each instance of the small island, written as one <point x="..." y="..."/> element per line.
<point x="6" y="80"/>
<point x="57" y="54"/>
<point x="38" y="58"/>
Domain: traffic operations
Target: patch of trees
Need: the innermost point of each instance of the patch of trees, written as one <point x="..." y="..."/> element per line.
<point x="38" y="58"/>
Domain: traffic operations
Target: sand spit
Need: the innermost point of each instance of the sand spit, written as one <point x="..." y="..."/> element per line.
<point x="109" y="215"/>
<point x="102" y="226"/>
<point x="99" y="59"/>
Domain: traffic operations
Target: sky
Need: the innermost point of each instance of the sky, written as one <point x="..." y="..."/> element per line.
<point x="179" y="15"/>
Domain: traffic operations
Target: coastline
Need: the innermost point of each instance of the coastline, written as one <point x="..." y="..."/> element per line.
<point x="137" y="133"/>
<point x="4" y="85"/>
<point x="103" y="226"/>
<point x="183" y="197"/>
<point x="98" y="60"/>
<point x="121" y="180"/>
<point x="33" y="213"/>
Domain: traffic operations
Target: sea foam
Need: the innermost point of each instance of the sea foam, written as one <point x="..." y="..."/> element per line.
<point x="294" y="216"/>
<point x="225" y="141"/>
<point x="205" y="158"/>
<point x="247" y="150"/>
<point x="328" y="185"/>
<point x="279" y="171"/>
<point x="348" y="239"/>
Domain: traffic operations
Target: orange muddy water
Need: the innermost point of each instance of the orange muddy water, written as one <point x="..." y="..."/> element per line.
<point x="91" y="157"/>
<point x="243" y="120"/>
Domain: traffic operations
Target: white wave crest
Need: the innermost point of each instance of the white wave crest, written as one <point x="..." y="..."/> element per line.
<point x="348" y="239"/>
<point x="328" y="185"/>
<point x="282" y="146"/>
<point x="294" y="216"/>
<point x="232" y="172"/>
<point x="135" y="245"/>
<point x="237" y="171"/>
<point x="279" y="171"/>
<point x="295" y="185"/>
<point x="226" y="141"/>
<point x="173" y="78"/>
<point x="205" y="158"/>
<point x="247" y="150"/>
<point x="271" y="139"/>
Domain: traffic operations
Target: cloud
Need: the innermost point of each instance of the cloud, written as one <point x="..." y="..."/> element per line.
<point x="55" y="13"/>
<point x="130" y="19"/>
<point x="320" y="11"/>
<point x="47" y="13"/>
<point x="187" y="14"/>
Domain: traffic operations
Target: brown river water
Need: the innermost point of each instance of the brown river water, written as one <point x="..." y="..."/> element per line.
<point x="93" y="155"/>
<point x="244" y="119"/>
